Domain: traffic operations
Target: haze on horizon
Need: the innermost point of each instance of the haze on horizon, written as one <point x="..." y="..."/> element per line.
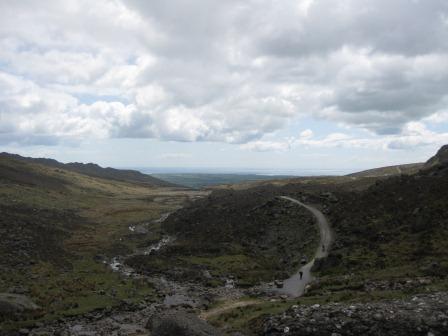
<point x="262" y="84"/>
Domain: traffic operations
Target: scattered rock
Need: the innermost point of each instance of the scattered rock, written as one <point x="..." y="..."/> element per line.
<point x="179" y="324"/>
<point x="424" y="314"/>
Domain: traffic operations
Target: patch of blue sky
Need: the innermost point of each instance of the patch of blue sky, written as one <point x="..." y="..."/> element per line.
<point x="321" y="128"/>
<point x="89" y="99"/>
<point x="4" y="66"/>
<point x="441" y="127"/>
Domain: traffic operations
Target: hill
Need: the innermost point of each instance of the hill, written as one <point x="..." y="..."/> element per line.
<point x="94" y="170"/>
<point x="249" y="235"/>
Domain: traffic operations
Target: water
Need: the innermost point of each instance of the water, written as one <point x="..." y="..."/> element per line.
<point x="117" y="263"/>
<point x="161" y="243"/>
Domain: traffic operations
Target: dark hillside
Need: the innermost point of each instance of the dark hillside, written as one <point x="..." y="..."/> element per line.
<point x="244" y="217"/>
<point x="19" y="172"/>
<point x="30" y="235"/>
<point x="407" y="215"/>
<point x="388" y="261"/>
<point x="387" y="273"/>
<point x="246" y="233"/>
<point x="397" y="228"/>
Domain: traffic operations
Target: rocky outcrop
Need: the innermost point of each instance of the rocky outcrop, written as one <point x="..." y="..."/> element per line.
<point x="440" y="157"/>
<point x="14" y="305"/>
<point x="180" y="324"/>
<point x="424" y="314"/>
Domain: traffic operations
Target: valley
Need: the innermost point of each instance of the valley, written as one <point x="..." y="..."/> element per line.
<point x="116" y="254"/>
<point x="204" y="180"/>
<point x="224" y="168"/>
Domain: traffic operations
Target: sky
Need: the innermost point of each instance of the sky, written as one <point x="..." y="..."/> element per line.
<point x="253" y="84"/>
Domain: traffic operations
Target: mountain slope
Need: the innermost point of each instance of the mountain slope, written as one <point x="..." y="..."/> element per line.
<point x="389" y="171"/>
<point x="95" y="170"/>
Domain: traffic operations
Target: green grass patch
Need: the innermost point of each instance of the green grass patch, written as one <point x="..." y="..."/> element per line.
<point x="239" y="319"/>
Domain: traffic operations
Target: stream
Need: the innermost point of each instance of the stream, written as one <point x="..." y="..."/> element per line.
<point x="117" y="263"/>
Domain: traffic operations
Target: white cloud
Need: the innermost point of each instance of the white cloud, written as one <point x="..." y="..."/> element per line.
<point x="175" y="156"/>
<point x="306" y="134"/>
<point x="414" y="134"/>
<point x="227" y="71"/>
<point x="267" y="146"/>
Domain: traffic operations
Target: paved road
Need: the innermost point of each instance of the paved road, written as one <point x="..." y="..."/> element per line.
<point x="294" y="286"/>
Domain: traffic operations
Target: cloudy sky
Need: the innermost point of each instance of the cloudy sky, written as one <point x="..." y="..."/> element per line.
<point x="291" y="84"/>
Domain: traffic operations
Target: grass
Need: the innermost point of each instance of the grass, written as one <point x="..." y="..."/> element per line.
<point x="87" y="287"/>
<point x="239" y="319"/>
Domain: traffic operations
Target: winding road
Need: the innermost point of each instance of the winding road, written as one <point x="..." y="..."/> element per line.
<point x="295" y="286"/>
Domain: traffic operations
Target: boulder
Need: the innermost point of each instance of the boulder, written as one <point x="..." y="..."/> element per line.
<point x="180" y="324"/>
<point x="278" y="283"/>
<point x="16" y="305"/>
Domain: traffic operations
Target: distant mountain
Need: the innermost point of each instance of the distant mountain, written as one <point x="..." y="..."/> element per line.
<point x="94" y="170"/>
<point x="199" y="181"/>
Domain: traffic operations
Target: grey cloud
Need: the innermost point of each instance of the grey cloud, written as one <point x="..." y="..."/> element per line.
<point x="394" y="95"/>
<point x="189" y="28"/>
<point x="398" y="27"/>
